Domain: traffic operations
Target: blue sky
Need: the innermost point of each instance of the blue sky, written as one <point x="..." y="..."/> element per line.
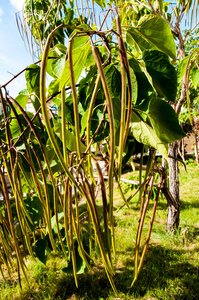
<point x="13" y="54"/>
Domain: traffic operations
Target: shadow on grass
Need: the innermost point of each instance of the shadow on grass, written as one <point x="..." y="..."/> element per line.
<point x="135" y="206"/>
<point x="187" y="205"/>
<point x="165" y="275"/>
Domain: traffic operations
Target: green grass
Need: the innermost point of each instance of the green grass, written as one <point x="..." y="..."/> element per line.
<point x="170" y="269"/>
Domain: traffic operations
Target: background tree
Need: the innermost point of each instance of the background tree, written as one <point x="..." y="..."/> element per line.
<point x="189" y="67"/>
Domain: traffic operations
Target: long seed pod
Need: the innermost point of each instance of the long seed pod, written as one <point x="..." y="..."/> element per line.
<point x="9" y="168"/>
<point x="21" y="209"/>
<point x="95" y="219"/>
<point x="12" y="230"/>
<point x="112" y="139"/>
<point x="75" y="100"/>
<point x="31" y="125"/>
<point x="88" y="127"/>
<point x="46" y="208"/>
<point x="124" y="63"/>
<point x="81" y="248"/>
<point x="96" y="222"/>
<point x="6" y="164"/>
<point x="48" y="211"/>
<point x="123" y="99"/>
<point x="65" y="211"/>
<point x="143" y="210"/>
<point x="77" y="9"/>
<point x="5" y="229"/>
<point x="44" y="107"/>
<point x="120" y="190"/>
<point x="6" y="246"/>
<point x="105" y="207"/>
<point x="70" y="225"/>
<point x="145" y="182"/>
<point x="63" y="96"/>
<point x="148" y="235"/>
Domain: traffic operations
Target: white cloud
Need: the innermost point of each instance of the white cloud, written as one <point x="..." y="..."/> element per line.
<point x="17" y="4"/>
<point x="1" y="13"/>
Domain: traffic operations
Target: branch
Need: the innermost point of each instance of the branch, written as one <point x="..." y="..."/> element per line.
<point x="151" y="7"/>
<point x="190" y="31"/>
<point x="15" y="76"/>
<point x="181" y="12"/>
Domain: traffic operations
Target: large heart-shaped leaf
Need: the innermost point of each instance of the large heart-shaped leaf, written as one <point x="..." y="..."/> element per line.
<point x="162" y="72"/>
<point x="152" y="32"/>
<point x="163" y="119"/>
<point x="34" y="209"/>
<point x="79" y="56"/>
<point x="32" y="76"/>
<point x="40" y="250"/>
<point x="56" y="60"/>
<point x="146" y="135"/>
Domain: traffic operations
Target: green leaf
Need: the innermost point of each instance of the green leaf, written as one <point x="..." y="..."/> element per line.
<point x="40" y="250"/>
<point x="33" y="82"/>
<point x="60" y="49"/>
<point x="84" y="121"/>
<point x="141" y="84"/>
<point x="56" y="60"/>
<point x="164" y="120"/>
<point x="53" y="87"/>
<point x="80" y="264"/>
<point x="134" y="86"/>
<point x="152" y="32"/>
<point x="101" y="3"/>
<point x="80" y="40"/>
<point x="53" y="221"/>
<point x="195" y="77"/>
<point x="146" y="135"/>
<point x="117" y="112"/>
<point x="35" y="210"/>
<point x="22" y="99"/>
<point x="92" y="72"/>
<point x="14" y="127"/>
<point x="32" y="76"/>
<point x="113" y="77"/>
<point x="182" y="68"/>
<point x="79" y="60"/>
<point x="55" y="66"/>
<point x="162" y="72"/>
<point x="70" y="137"/>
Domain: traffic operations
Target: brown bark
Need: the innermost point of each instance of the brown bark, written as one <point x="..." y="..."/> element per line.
<point x="173" y="212"/>
<point x="196" y="147"/>
<point x="174" y="204"/>
<point x="183" y="149"/>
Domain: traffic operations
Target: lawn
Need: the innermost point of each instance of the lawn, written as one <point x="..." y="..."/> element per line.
<point x="170" y="269"/>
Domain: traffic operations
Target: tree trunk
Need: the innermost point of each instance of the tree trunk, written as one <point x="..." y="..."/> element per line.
<point x="196" y="147"/>
<point x="174" y="205"/>
<point x="183" y="150"/>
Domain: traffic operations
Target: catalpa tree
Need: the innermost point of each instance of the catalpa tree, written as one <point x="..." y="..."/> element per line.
<point x="112" y="82"/>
